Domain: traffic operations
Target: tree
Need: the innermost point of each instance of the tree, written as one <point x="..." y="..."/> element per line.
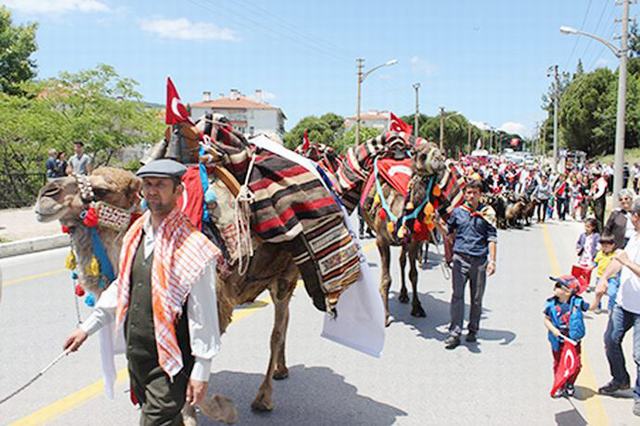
<point x="318" y="131"/>
<point x="348" y="138"/>
<point x="95" y="106"/>
<point x="17" y="44"/>
<point x="585" y="112"/>
<point x="335" y="121"/>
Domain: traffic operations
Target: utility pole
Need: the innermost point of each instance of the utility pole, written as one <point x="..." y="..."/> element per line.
<point x="622" y="99"/>
<point x="553" y="70"/>
<point x="360" y="62"/>
<point x="442" y="129"/>
<point x="416" y="86"/>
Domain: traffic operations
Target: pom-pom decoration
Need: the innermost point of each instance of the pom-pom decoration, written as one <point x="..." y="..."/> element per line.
<point x="90" y="300"/>
<point x="390" y="227"/>
<point x="70" y="262"/>
<point x="410" y="206"/>
<point x="90" y="218"/>
<point x="79" y="290"/>
<point x="382" y="214"/>
<point x="437" y="191"/>
<point x="93" y="268"/>
<point x="65" y="229"/>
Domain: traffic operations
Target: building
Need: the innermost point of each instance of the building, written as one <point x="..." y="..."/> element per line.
<point x="248" y="115"/>
<point x="375" y="119"/>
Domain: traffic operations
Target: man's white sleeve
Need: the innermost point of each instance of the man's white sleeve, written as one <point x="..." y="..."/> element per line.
<point x="104" y="312"/>
<point x="204" y="329"/>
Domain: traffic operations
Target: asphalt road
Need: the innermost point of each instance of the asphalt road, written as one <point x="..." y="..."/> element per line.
<point x="504" y="379"/>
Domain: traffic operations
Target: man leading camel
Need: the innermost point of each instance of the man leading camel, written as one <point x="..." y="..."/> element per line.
<point x="475" y="238"/>
<point x="164" y="301"/>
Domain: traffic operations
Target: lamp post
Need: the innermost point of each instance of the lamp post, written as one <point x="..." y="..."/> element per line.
<point x="416" y="87"/>
<point x="361" y="77"/>
<point x="622" y="92"/>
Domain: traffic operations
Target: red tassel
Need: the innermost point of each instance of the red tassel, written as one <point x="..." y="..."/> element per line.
<point x="91" y="218"/>
<point x="132" y="396"/>
<point x="65" y="229"/>
<point x="382" y="214"/>
<point x="79" y="290"/>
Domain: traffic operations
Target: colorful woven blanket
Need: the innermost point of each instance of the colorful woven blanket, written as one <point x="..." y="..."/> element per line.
<point x="292" y="207"/>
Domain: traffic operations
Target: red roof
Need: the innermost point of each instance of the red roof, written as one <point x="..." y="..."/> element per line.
<point x="230" y="103"/>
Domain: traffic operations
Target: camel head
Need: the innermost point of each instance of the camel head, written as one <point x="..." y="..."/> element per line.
<point x="62" y="200"/>
<point x="427" y="160"/>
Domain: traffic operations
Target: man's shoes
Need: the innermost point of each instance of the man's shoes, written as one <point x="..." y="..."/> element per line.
<point x="452" y="342"/>
<point x="569" y="390"/>
<point x="471" y="337"/>
<point x="612" y="387"/>
<point x="636" y="407"/>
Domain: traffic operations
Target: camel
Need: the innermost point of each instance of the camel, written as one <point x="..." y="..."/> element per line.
<point x="428" y="161"/>
<point x="427" y="165"/>
<point x="271" y="267"/>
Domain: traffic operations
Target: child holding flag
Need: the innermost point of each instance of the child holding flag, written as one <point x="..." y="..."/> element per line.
<point x="563" y="318"/>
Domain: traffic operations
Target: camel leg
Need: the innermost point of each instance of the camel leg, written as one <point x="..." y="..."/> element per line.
<point x="281" y="299"/>
<point x="385" y="276"/>
<point x="417" y="310"/>
<point x="404" y="295"/>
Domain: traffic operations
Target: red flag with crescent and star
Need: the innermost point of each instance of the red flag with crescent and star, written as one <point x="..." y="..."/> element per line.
<point x="569" y="364"/>
<point x="306" y="144"/>
<point x="397" y="125"/>
<point x="175" y="111"/>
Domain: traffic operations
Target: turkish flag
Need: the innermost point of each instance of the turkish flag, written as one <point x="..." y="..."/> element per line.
<point x="569" y="364"/>
<point x="397" y="125"/>
<point x="396" y="173"/>
<point x="305" y="141"/>
<point x="175" y="111"/>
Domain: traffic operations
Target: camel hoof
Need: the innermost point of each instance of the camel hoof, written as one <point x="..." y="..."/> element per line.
<point x="281" y="373"/>
<point x="403" y="298"/>
<point x="261" y="405"/>
<point x="418" y="312"/>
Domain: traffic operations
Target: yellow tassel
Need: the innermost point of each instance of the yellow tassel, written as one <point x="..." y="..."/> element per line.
<point x="70" y="262"/>
<point x="428" y="212"/>
<point x="93" y="268"/>
<point x="390" y="227"/>
<point x="376" y="199"/>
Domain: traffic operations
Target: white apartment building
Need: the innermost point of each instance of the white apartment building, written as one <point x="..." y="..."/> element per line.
<point x="248" y="115"/>
<point x="375" y="119"/>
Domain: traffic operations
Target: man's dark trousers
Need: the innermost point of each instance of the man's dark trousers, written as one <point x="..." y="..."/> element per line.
<point x="472" y="269"/>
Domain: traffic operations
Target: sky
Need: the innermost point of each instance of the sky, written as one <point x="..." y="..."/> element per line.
<point x="487" y="59"/>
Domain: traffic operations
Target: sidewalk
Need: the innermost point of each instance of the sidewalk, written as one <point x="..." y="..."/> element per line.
<point x="21" y="224"/>
<point x="21" y="233"/>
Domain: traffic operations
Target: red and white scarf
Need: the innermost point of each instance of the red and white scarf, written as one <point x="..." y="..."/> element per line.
<point x="180" y="257"/>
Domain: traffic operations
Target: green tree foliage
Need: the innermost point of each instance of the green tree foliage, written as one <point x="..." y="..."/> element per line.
<point x="584" y="108"/>
<point x="95" y="106"/>
<point x="17" y="44"/>
<point x="319" y="131"/>
<point x="348" y="138"/>
<point x="335" y="121"/>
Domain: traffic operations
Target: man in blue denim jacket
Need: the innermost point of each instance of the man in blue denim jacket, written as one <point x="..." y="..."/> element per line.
<point x="475" y="239"/>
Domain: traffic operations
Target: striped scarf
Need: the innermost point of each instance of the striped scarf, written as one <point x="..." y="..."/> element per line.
<point x="179" y="259"/>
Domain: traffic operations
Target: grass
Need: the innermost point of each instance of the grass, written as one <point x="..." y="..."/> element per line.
<point x="4" y="239"/>
<point x="631" y="155"/>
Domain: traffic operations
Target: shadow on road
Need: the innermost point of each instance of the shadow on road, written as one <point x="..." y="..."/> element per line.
<point x="582" y="393"/>
<point x="570" y="418"/>
<point x="438" y="317"/>
<point x="315" y="395"/>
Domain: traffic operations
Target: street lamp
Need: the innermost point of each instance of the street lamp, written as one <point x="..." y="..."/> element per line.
<point x="622" y="93"/>
<point x="361" y="77"/>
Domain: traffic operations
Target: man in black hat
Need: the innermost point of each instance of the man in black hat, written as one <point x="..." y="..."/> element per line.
<point x="170" y="343"/>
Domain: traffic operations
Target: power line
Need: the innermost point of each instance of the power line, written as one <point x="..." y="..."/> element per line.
<point x="234" y="16"/>
<point x="597" y="27"/>
<point x="584" y="21"/>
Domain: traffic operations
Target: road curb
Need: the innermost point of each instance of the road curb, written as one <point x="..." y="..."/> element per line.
<point x="32" y="245"/>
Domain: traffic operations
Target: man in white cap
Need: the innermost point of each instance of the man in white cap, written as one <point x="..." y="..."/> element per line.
<point x="164" y="301"/>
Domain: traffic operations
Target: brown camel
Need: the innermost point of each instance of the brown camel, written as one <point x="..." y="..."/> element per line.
<point x="271" y="267"/>
<point x="427" y="163"/>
